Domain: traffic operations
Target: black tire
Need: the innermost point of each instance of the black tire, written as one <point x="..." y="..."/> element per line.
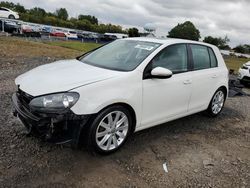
<point x="11" y="16"/>
<point x="92" y="145"/>
<point x="209" y="110"/>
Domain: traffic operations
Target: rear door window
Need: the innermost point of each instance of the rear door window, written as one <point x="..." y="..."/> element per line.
<point x="201" y="57"/>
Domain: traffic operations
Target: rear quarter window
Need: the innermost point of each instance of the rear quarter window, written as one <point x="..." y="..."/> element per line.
<point x="213" y="58"/>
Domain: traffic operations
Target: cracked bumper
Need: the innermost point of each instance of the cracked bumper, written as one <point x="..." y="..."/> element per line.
<point x="56" y="128"/>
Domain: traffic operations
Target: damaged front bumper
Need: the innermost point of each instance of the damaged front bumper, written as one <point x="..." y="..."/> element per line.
<point x="56" y="128"/>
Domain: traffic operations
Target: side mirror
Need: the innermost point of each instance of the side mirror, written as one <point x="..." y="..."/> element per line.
<point x="161" y="73"/>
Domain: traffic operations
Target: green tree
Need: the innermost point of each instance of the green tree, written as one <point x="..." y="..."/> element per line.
<point x="221" y="43"/>
<point x="39" y="12"/>
<point x="83" y="25"/>
<point x="186" y="30"/>
<point x="62" y="13"/>
<point x="244" y="49"/>
<point x="91" y="19"/>
<point x="7" y="4"/>
<point x="133" y="32"/>
<point x="19" y="8"/>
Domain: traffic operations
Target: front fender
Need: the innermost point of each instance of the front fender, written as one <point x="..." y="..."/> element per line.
<point x="125" y="89"/>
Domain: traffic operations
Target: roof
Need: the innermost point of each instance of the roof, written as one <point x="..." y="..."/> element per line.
<point x="167" y="40"/>
<point x="6" y="8"/>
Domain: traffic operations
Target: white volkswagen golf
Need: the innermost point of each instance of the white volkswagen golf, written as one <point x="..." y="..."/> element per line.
<point x="122" y="87"/>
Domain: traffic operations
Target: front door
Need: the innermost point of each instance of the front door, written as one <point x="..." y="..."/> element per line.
<point x="164" y="99"/>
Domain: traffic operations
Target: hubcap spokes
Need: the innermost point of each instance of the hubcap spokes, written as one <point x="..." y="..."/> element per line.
<point x="217" y="102"/>
<point x="112" y="130"/>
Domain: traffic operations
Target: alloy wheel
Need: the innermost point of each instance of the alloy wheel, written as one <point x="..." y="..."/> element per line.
<point x="217" y="102"/>
<point x="112" y="130"/>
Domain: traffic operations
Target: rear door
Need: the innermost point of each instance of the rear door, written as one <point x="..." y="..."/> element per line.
<point x="204" y="76"/>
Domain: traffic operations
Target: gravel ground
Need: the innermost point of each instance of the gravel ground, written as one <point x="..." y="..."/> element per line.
<point x="199" y="151"/>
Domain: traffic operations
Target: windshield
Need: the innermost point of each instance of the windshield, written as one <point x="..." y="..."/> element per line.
<point x="122" y="55"/>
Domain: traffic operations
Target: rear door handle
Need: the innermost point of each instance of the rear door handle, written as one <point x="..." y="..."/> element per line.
<point x="214" y="76"/>
<point x="187" y="82"/>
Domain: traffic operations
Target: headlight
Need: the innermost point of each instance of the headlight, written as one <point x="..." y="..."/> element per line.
<point x="54" y="103"/>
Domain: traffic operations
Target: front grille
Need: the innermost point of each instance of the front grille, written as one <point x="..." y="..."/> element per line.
<point x="24" y="98"/>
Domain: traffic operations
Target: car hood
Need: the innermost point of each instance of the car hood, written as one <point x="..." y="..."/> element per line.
<point x="62" y="76"/>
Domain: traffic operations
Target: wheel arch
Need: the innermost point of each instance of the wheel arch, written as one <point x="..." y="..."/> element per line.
<point x="129" y="108"/>
<point x="11" y="15"/>
<point x="82" y="138"/>
<point x="223" y="88"/>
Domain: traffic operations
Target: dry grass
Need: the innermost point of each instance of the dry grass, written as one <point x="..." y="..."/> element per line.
<point x="235" y="63"/>
<point x="76" y="45"/>
<point x="16" y="47"/>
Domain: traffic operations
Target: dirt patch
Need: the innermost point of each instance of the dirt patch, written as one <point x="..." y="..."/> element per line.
<point x="199" y="151"/>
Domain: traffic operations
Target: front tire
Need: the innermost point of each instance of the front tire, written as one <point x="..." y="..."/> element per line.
<point x="217" y="103"/>
<point x="109" y="130"/>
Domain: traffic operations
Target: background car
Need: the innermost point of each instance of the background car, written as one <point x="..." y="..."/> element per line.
<point x="57" y="34"/>
<point x="26" y="28"/>
<point x="71" y="34"/>
<point x="9" y="26"/>
<point x="244" y="74"/>
<point x="7" y="13"/>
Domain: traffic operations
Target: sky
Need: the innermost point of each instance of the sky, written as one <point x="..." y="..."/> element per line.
<point x="217" y="18"/>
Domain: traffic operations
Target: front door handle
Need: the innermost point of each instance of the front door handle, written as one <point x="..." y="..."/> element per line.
<point x="187" y="82"/>
<point x="214" y="76"/>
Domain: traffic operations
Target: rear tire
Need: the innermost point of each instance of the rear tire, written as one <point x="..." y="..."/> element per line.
<point x="109" y="130"/>
<point x="217" y="103"/>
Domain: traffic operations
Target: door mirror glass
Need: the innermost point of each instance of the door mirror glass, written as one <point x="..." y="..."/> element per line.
<point x="160" y="72"/>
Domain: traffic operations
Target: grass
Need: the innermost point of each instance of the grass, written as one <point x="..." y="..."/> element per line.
<point x="75" y="45"/>
<point x="19" y="48"/>
<point x="235" y="63"/>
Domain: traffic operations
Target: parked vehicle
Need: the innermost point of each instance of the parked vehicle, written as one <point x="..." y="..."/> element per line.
<point x="71" y="34"/>
<point x="122" y="87"/>
<point x="45" y="31"/>
<point x="7" y="13"/>
<point x="244" y="74"/>
<point x="9" y="26"/>
<point x="116" y="35"/>
<point x="30" y="31"/>
<point x="106" y="38"/>
<point x="84" y="36"/>
<point x="26" y="28"/>
<point x="57" y="34"/>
